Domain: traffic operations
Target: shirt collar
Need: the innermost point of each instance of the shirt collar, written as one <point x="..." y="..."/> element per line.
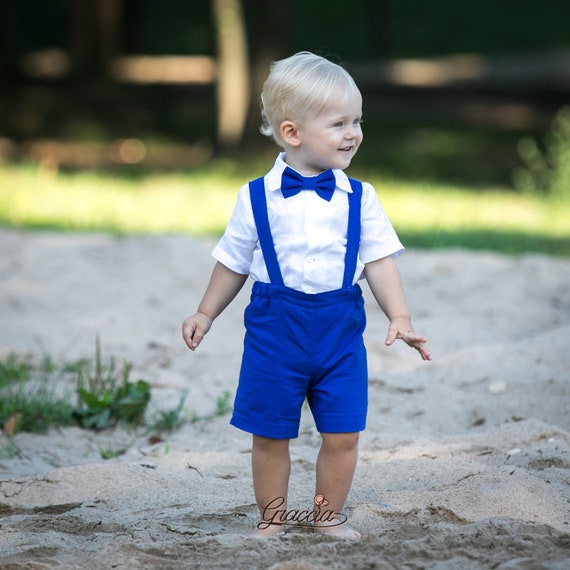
<point x="273" y="177"/>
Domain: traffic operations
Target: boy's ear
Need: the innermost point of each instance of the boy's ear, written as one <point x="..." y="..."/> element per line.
<point x="290" y="133"/>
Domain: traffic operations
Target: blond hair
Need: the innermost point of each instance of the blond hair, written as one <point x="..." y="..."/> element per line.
<point x="301" y="86"/>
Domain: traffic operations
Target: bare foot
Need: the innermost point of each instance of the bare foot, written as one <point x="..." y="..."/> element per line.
<point x="338" y="530"/>
<point x="266" y="530"/>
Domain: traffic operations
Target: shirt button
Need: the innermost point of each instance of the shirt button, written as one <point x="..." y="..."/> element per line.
<point x="308" y="290"/>
<point x="310" y="259"/>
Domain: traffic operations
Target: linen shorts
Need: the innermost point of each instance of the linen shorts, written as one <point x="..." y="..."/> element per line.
<point x="301" y="346"/>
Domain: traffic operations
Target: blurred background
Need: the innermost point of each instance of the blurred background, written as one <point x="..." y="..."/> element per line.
<point x="462" y="95"/>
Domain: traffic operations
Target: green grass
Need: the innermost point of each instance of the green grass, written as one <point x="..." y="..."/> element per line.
<point x="37" y="392"/>
<point x="27" y="395"/>
<point x="32" y="198"/>
<point x="14" y="368"/>
<point x="496" y="219"/>
<point x="36" y="408"/>
<point x="200" y="202"/>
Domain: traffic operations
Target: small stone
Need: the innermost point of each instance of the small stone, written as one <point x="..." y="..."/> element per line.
<point x="497" y="387"/>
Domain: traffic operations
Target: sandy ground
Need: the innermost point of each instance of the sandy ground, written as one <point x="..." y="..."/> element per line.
<point x="464" y="464"/>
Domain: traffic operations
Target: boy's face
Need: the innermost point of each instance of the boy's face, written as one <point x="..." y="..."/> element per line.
<point x="331" y="138"/>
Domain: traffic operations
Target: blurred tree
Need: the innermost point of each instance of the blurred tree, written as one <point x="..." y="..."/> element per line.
<point x="168" y="27"/>
<point x="95" y="34"/>
<point x="35" y="33"/>
<point x="374" y="28"/>
<point x="428" y="29"/>
<point x="379" y="28"/>
<point x="233" y="81"/>
<point x="267" y="24"/>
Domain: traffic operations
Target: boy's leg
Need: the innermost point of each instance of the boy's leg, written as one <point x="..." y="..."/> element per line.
<point x="336" y="464"/>
<point x="271" y="467"/>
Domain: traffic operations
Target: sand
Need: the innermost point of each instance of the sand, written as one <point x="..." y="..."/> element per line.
<point x="464" y="464"/>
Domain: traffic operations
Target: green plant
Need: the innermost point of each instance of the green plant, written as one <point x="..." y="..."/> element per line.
<point x="547" y="170"/>
<point x="223" y="405"/>
<point x="34" y="408"/>
<point x="169" y="420"/>
<point x="15" y="368"/>
<point x="105" y="397"/>
<point x="111" y="453"/>
<point x="28" y="402"/>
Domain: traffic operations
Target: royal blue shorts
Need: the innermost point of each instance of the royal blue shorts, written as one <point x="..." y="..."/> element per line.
<point x="301" y="346"/>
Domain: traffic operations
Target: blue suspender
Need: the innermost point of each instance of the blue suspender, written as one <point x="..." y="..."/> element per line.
<point x="259" y="206"/>
<point x="353" y="232"/>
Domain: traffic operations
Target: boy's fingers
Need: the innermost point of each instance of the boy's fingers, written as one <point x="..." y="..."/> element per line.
<point x="196" y="339"/>
<point x="191" y="336"/>
<point x="425" y="354"/>
<point x="411" y="339"/>
<point x="392" y="335"/>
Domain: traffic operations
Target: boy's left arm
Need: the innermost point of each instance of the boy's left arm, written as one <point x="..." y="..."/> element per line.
<point x="386" y="285"/>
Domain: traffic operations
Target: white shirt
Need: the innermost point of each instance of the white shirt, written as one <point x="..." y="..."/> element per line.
<point x="309" y="234"/>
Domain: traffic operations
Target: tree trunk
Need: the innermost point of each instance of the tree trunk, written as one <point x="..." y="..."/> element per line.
<point x="233" y="80"/>
<point x="272" y="18"/>
<point x="109" y="36"/>
<point x="95" y="35"/>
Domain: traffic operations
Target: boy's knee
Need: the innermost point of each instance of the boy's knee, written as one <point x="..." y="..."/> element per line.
<point x="341" y="441"/>
<point x="262" y="443"/>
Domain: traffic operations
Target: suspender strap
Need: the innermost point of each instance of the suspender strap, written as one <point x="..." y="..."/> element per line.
<point x="353" y="232"/>
<point x="259" y="206"/>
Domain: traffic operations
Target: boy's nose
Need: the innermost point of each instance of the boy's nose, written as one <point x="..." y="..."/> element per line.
<point x="351" y="133"/>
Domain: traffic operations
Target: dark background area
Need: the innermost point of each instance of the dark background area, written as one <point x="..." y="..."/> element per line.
<point x="360" y="30"/>
<point x="463" y="130"/>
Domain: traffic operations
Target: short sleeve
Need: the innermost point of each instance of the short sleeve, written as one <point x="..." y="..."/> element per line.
<point x="235" y="248"/>
<point x="378" y="239"/>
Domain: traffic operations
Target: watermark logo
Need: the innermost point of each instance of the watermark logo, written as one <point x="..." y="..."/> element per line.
<point x="273" y="514"/>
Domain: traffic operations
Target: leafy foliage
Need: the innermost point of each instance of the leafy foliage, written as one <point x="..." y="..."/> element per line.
<point x="30" y="402"/>
<point x="547" y="172"/>
<point x="106" y="398"/>
<point x="101" y="410"/>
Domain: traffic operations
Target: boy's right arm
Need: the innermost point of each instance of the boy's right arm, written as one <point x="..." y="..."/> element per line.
<point x="224" y="285"/>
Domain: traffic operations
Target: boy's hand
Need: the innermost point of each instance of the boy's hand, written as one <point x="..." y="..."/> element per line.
<point x="194" y="329"/>
<point x="401" y="328"/>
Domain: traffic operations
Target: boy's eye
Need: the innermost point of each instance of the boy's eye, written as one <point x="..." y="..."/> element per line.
<point x="342" y="123"/>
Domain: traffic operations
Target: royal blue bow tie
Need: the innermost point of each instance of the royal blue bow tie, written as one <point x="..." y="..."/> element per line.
<point x="292" y="183"/>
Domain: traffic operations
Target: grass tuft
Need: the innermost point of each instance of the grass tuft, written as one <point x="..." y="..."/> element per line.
<point x="32" y="400"/>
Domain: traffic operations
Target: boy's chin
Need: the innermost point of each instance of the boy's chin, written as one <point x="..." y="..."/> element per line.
<point x="342" y="164"/>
